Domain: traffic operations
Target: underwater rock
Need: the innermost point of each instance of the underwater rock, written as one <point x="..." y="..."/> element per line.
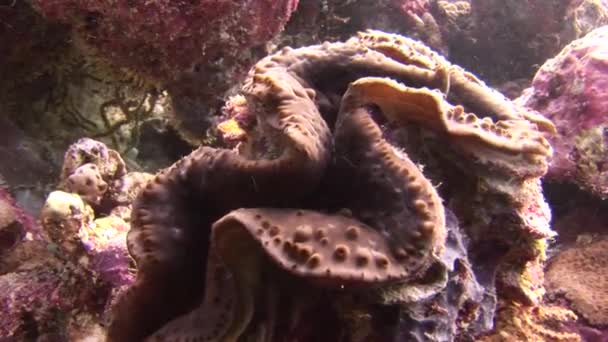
<point x="105" y="243"/>
<point x="376" y="216"/>
<point x="125" y="189"/>
<point x="108" y="162"/>
<point x="569" y="90"/>
<point x="27" y="40"/>
<point x="11" y="230"/>
<point x="15" y="223"/>
<point x="94" y="172"/>
<point x="583" y="16"/>
<point x="86" y="181"/>
<point x="45" y="301"/>
<point x="30" y="169"/>
<point x="57" y="285"/>
<point x="44" y="296"/>
<point x="21" y="237"/>
<point x="97" y="177"/>
<point x="55" y="90"/>
<point x="514" y="37"/>
<point x="98" y="245"/>
<point x="580" y="274"/>
<point x="195" y="50"/>
<point x="533" y="323"/>
<point x="417" y="7"/>
<point x="332" y="20"/>
<point x="62" y="217"/>
<point x="162" y="39"/>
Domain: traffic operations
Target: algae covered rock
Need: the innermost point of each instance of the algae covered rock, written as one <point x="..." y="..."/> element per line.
<point x="570" y="90"/>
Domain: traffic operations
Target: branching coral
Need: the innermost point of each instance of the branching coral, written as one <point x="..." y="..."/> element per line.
<point x="327" y="136"/>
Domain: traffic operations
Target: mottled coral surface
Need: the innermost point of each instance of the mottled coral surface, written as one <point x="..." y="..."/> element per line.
<point x="328" y="193"/>
<point x="570" y="90"/>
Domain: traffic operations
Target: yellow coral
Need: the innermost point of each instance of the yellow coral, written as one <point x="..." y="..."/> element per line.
<point x="231" y="130"/>
<point x="62" y="217"/>
<point x="516" y="322"/>
<point x="103" y="231"/>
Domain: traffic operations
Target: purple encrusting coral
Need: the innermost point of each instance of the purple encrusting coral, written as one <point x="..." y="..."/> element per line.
<point x="570" y="89"/>
<point x="35" y="302"/>
<point x="58" y="282"/>
<point x="105" y="244"/>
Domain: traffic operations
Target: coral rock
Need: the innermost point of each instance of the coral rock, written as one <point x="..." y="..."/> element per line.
<point x="580" y="273"/>
<point x="88" y="151"/>
<point x="86" y="181"/>
<point x="41" y="302"/>
<point x="105" y="242"/>
<point x="11" y="230"/>
<point x="125" y="189"/>
<point x="163" y="38"/>
<point x="95" y="172"/>
<point x="538" y="323"/>
<point x="568" y="90"/>
<point x="62" y="217"/>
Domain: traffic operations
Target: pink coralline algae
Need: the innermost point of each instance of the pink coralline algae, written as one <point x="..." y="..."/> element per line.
<point x="570" y="90"/>
<point x="164" y="37"/>
<point x="97" y="244"/>
<point x="58" y="282"/>
<point x="43" y="302"/>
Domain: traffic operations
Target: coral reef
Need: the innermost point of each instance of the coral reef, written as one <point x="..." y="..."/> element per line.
<point x="356" y="134"/>
<point x="360" y="190"/>
<point x="99" y="245"/>
<point x="568" y="90"/>
<point x="44" y="296"/>
<point x="107" y="163"/>
<point x="579" y="273"/>
<point x="47" y="301"/>
<point x="58" y="282"/>
<point x="99" y="176"/>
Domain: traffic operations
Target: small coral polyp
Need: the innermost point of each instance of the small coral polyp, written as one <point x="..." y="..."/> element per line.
<point x="332" y="205"/>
